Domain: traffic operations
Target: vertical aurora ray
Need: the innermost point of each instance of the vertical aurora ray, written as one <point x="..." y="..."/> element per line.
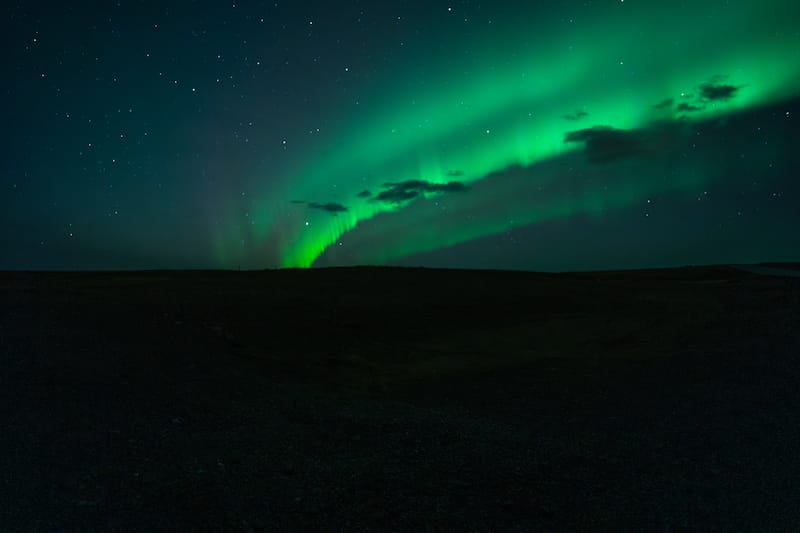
<point x="512" y="104"/>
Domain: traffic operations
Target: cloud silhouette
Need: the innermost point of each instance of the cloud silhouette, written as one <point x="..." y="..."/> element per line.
<point x="405" y="191"/>
<point x="396" y="195"/>
<point x="450" y="186"/>
<point x="713" y="91"/>
<point x="330" y="207"/>
<point x="688" y="108"/>
<point x="604" y="144"/>
<point x="364" y="194"/>
<point x="667" y="102"/>
<point x="572" y="117"/>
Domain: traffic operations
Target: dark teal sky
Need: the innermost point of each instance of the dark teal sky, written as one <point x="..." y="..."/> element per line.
<point x="559" y="136"/>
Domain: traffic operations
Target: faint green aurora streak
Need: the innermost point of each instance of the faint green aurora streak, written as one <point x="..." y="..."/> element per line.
<point x="506" y="112"/>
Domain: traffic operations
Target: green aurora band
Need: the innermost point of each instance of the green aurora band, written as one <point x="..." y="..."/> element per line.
<point x="511" y="105"/>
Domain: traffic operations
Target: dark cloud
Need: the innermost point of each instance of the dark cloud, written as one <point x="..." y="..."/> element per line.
<point x="364" y="194"/>
<point x="396" y="195"/>
<point x="604" y="144"/>
<point x="714" y="91"/>
<point x="572" y="117"/>
<point x="405" y="191"/>
<point x="667" y="102"/>
<point x="454" y="173"/>
<point x="450" y="186"/>
<point x="330" y="207"/>
<point x="688" y="108"/>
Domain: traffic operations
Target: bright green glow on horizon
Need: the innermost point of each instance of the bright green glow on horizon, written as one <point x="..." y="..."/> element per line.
<point x="501" y="110"/>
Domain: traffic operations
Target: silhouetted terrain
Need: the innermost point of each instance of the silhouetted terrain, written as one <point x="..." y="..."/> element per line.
<point x="373" y="398"/>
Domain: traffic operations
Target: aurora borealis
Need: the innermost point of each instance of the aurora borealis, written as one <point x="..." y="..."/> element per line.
<point x="555" y="136"/>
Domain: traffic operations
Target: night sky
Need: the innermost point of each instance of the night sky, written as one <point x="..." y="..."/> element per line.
<point x="565" y="135"/>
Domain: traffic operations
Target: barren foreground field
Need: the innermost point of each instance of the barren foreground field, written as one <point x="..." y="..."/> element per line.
<point x="378" y="398"/>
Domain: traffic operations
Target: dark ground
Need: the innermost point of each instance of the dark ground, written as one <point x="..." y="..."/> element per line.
<point x="397" y="398"/>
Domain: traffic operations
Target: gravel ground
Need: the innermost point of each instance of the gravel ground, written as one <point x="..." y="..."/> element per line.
<point x="402" y="399"/>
